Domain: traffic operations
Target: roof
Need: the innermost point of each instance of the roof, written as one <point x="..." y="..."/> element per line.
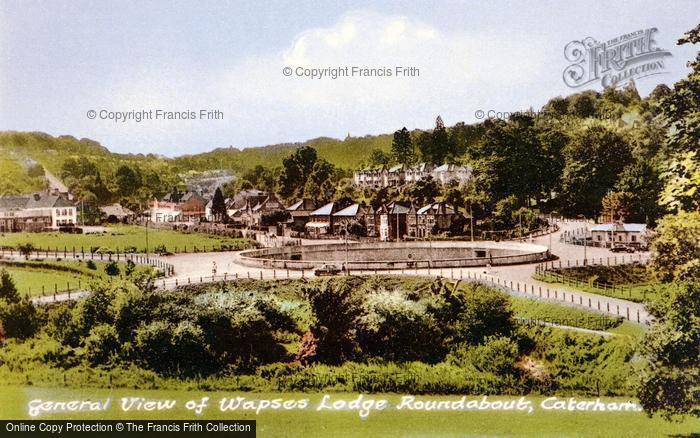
<point x="628" y="228"/>
<point x="326" y="210"/>
<point x="303" y="204"/>
<point x="350" y="211"/>
<point x="436" y="208"/>
<point x="396" y="168"/>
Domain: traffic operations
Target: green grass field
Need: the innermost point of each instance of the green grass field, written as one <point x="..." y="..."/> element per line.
<point x="119" y="237"/>
<point x="631" y="292"/>
<point x="388" y="422"/>
<point x="32" y="276"/>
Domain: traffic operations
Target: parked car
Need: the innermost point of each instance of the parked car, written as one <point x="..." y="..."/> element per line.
<point x="327" y="270"/>
<point x="621" y="248"/>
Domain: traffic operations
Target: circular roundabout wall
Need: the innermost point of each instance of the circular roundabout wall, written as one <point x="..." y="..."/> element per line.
<point x="396" y="255"/>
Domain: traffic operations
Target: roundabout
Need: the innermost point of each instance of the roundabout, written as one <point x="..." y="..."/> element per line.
<point x="396" y="255"/>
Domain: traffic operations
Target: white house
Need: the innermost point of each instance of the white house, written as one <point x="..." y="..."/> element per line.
<point x="619" y="233"/>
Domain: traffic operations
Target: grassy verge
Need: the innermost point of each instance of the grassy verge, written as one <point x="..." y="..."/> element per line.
<point x="46" y="276"/>
<point x="127" y="238"/>
<point x="630" y="292"/>
<point x="388" y="422"/>
<point x="533" y="310"/>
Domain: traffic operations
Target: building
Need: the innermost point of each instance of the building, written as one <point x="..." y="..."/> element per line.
<point x="347" y="216"/>
<point x="178" y="207"/>
<point x="451" y="172"/>
<point x="300" y="212"/>
<point x="619" y="233"/>
<point x="396" y="176"/>
<point x="321" y="220"/>
<point x="116" y="213"/>
<point x="437" y="216"/>
<point x="264" y="209"/>
<point x="391" y="221"/>
<point x="36" y="212"/>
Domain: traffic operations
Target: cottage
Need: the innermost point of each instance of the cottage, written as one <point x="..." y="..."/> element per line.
<point x="116" y="213"/>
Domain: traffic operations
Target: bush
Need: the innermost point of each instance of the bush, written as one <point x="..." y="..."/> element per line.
<point x="486" y="312"/>
<point x="91" y="265"/>
<point x="172" y="349"/>
<point x="102" y="344"/>
<point x="400" y="330"/>
<point x="498" y="355"/>
<point x="112" y="269"/>
<point x="8" y="290"/>
<point x="20" y="318"/>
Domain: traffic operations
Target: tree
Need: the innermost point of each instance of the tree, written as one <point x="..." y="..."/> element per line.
<point x="378" y="158"/>
<point x="618" y="205"/>
<point x="594" y="159"/>
<point x="218" y="206"/>
<point x="319" y="184"/>
<point x="19" y="318"/>
<point x="424" y="191"/>
<point x="296" y="169"/>
<point x="8" y="290"/>
<point x="643" y="182"/>
<point x="676" y="247"/>
<point x="682" y="188"/>
<point x="112" y="269"/>
<point x="402" y="147"/>
<point x="583" y="104"/>
<point x="681" y="108"/>
<point x="670" y="381"/>
<point x="128" y="180"/>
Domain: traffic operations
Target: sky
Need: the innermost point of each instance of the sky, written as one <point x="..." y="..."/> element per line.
<point x="60" y="60"/>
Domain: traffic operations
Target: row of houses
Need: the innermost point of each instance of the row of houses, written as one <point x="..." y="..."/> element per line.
<point x="390" y="221"/>
<point x="399" y="175"/>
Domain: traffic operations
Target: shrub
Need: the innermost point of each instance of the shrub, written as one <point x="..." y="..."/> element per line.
<point x="172" y="349"/>
<point x="91" y="265"/>
<point x="20" y="318"/>
<point x="336" y="310"/>
<point x="486" y="312"/>
<point x="8" y="290"/>
<point x="102" y="344"/>
<point x="112" y="269"/>
<point x="498" y="355"/>
<point x="397" y="329"/>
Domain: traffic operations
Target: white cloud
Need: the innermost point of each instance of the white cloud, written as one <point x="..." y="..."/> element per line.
<point x="459" y="73"/>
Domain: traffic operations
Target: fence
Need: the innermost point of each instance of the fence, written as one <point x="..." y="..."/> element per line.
<point x="549" y="273"/>
<point x="74" y="254"/>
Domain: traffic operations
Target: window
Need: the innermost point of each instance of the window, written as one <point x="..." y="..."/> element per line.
<point x="634" y="238"/>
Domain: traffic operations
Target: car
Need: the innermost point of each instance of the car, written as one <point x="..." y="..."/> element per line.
<point x="619" y="248"/>
<point x="327" y="270"/>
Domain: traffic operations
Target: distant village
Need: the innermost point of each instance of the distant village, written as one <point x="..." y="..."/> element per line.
<point x="261" y="210"/>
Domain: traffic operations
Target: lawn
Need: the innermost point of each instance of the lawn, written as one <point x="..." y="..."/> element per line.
<point x="347" y="423"/>
<point x="632" y="292"/>
<point x="544" y="311"/>
<point x="121" y="237"/>
<point x="54" y="276"/>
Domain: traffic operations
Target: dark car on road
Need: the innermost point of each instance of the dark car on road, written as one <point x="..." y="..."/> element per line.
<point x="327" y="270"/>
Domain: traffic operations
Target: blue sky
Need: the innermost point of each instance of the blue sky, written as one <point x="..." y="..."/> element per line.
<point x="59" y="60"/>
